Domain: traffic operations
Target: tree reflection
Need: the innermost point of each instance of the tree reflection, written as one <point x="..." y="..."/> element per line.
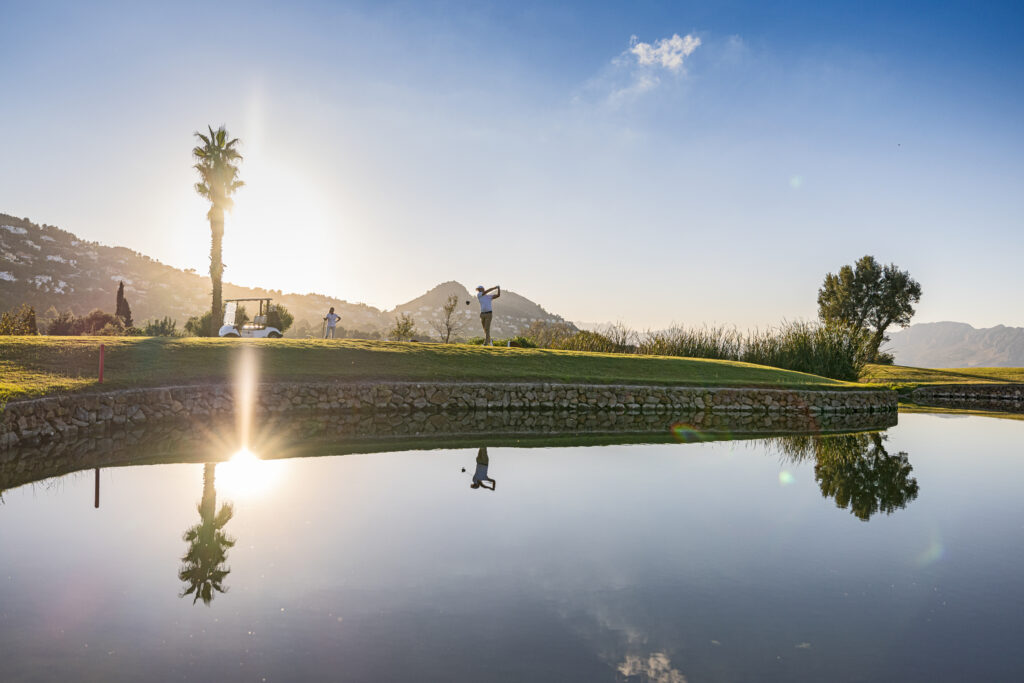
<point x="202" y="569"/>
<point x="856" y="471"/>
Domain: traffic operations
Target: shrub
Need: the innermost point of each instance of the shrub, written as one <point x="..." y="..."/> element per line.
<point x="404" y="329"/>
<point x="279" y="317"/>
<point x="19" y="321"/>
<point x="95" y="321"/>
<point x="62" y="324"/>
<point x="587" y="341"/>
<point x="160" y="328"/>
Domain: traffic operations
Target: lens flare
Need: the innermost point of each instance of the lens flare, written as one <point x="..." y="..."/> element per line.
<point x="786" y="478"/>
<point x="246" y="475"/>
<point x="686" y="433"/>
<point x="246" y="377"/>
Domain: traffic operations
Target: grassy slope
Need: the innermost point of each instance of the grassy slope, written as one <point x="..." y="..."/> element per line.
<point x="38" y="366"/>
<point x="904" y="375"/>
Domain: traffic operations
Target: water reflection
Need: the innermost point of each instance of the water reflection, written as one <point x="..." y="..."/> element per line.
<point x="856" y="471"/>
<point x="203" y="570"/>
<point x="480" y="477"/>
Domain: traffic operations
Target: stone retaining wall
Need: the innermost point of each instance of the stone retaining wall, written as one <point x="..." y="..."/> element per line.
<point x="67" y="416"/>
<point x="1005" y="397"/>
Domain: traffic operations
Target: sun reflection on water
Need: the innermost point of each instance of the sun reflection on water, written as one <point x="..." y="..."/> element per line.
<point x="245" y="474"/>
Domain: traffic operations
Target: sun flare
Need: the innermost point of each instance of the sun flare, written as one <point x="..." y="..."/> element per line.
<point x="245" y="474"/>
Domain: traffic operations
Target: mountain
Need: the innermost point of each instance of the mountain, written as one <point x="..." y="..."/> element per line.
<point x="46" y="267"/>
<point x="958" y="345"/>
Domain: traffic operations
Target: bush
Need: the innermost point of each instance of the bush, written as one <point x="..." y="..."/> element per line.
<point x="588" y="341"/>
<point x="62" y="324"/>
<point x="160" y="328"/>
<point x="199" y="326"/>
<point x="404" y="328"/>
<point x="545" y="334"/>
<point x="279" y="317"/>
<point x="95" y="321"/>
<point x="19" y="321"/>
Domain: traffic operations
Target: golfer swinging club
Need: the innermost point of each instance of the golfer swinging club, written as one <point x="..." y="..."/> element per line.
<point x="486" y="313"/>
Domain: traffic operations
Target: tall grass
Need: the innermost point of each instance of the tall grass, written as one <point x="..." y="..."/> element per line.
<point x="827" y="350"/>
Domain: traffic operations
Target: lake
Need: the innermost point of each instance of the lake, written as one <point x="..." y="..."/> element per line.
<point x="869" y="556"/>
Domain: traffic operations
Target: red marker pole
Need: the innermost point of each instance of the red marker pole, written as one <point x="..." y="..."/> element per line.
<point x="102" y="350"/>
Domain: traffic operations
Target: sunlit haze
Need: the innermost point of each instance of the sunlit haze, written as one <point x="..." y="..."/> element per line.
<point x="649" y="163"/>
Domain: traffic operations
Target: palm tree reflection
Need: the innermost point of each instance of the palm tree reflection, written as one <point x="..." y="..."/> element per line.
<point x="202" y="570"/>
<point x="856" y="471"/>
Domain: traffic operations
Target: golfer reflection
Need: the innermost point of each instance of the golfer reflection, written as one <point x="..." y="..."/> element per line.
<point x="480" y="477"/>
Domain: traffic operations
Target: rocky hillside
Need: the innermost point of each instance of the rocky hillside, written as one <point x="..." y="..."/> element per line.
<point x="958" y="345"/>
<point x="46" y="267"/>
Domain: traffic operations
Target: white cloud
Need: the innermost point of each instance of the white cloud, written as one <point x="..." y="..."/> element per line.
<point x="639" y="69"/>
<point x="667" y="52"/>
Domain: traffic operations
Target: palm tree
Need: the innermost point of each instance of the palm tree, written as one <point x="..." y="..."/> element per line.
<point x="217" y="163"/>
<point x="202" y="569"/>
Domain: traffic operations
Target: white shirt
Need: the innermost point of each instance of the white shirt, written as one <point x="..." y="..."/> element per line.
<point x="485" y="302"/>
<point x="332" y="319"/>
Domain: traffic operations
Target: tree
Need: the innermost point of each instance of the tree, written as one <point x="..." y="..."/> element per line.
<point x="217" y="164"/>
<point x="404" y="328"/>
<point x="278" y="316"/>
<point x="19" y="321"/>
<point x="62" y="324"/>
<point x="867" y="480"/>
<point x="449" y="324"/>
<point x="123" y="310"/>
<point x="869" y="298"/>
<point x="202" y="569"/>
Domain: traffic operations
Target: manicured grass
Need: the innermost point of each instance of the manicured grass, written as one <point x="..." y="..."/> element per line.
<point x="904" y="375"/>
<point x="39" y="366"/>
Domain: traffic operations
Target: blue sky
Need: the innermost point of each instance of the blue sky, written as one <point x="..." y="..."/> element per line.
<point x="577" y="153"/>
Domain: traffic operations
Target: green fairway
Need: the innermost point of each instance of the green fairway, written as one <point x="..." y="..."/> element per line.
<point x="40" y="366"/>
<point x="904" y="375"/>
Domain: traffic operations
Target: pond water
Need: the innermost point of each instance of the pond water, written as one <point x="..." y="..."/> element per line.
<point x="871" y="556"/>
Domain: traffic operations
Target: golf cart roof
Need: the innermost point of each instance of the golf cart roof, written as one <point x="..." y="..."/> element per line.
<point x="263" y="298"/>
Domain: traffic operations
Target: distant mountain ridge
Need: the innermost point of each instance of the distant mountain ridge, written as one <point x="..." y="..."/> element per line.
<point x="46" y="266"/>
<point x="958" y="345"/>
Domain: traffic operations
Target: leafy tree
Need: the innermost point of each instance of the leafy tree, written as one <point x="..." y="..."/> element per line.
<point x="449" y="324"/>
<point x="123" y="310"/>
<point x="95" y="321"/>
<point x="202" y="569"/>
<point x="278" y="316"/>
<point x="199" y="326"/>
<point x="856" y="471"/>
<point x="869" y="297"/>
<point x="19" y="321"/>
<point x="868" y="481"/>
<point x="62" y="324"/>
<point x="217" y="163"/>
<point x="404" y="328"/>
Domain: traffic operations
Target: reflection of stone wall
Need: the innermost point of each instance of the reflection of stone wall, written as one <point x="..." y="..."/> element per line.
<point x="335" y="433"/>
<point x="1005" y="397"/>
<point x="64" y="417"/>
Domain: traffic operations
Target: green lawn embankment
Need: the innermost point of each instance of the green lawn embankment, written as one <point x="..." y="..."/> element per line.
<point x="40" y="366"/>
<point x="905" y="377"/>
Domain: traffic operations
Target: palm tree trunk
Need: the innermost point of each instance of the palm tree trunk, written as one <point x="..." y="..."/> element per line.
<point x="216" y="268"/>
<point x="208" y="505"/>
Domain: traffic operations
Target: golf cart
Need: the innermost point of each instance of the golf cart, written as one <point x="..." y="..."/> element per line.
<point x="258" y="328"/>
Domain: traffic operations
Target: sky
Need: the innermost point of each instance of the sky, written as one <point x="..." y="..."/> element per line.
<point x="644" y="162"/>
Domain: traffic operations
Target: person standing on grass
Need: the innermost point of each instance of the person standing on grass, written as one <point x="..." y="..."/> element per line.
<point x="485" y="297"/>
<point x="332" y="321"/>
<point x="480" y="476"/>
